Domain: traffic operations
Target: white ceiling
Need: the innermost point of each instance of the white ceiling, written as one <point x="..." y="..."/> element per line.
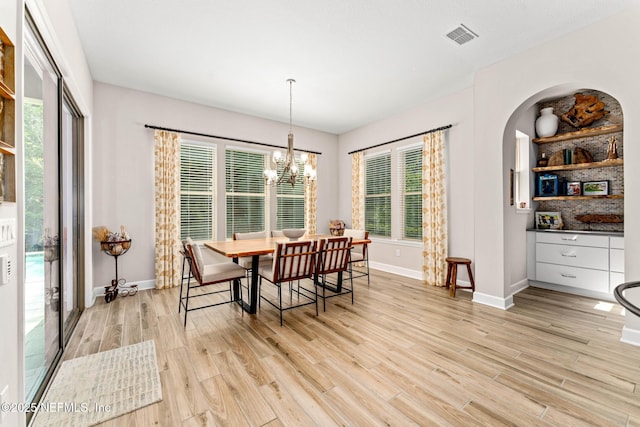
<point x="355" y="61"/>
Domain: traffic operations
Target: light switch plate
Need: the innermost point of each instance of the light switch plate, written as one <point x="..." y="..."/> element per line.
<point x="7" y="231"/>
<point x="4" y="269"/>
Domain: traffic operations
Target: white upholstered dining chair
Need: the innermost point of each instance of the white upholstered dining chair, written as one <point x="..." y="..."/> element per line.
<point x="359" y="254"/>
<point x="246" y="261"/>
<point x="207" y="275"/>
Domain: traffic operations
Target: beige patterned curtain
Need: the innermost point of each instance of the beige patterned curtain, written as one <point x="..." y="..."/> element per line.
<point x="357" y="191"/>
<point x="311" y="199"/>
<point x="167" y="205"/>
<point x="434" y="210"/>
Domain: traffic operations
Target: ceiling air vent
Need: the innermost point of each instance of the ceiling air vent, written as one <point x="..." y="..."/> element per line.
<point x="462" y="35"/>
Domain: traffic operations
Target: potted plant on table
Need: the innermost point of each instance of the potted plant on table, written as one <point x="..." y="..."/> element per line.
<point x="336" y="227"/>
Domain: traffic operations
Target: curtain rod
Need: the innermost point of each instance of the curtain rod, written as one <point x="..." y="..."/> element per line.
<point x="401" y="139"/>
<point x="264" y="144"/>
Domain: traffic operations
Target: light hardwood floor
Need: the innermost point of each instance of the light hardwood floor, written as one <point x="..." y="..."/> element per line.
<point x="403" y="354"/>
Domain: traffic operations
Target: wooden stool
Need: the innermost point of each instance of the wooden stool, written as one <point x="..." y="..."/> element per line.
<point x="452" y="272"/>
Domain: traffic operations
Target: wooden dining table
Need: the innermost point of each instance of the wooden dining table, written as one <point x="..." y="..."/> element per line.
<point x="254" y="248"/>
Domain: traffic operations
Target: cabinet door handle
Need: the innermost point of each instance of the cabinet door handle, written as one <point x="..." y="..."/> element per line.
<point x="570" y="276"/>
<point x="574" y="238"/>
<point x="569" y="255"/>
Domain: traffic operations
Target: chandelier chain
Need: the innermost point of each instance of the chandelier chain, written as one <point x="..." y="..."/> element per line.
<point x="291" y="82"/>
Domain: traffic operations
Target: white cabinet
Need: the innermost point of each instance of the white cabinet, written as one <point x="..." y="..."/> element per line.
<point x="575" y="256"/>
<point x="584" y="263"/>
<point x="574" y="239"/>
<point x="575" y="277"/>
<point x="616" y="262"/>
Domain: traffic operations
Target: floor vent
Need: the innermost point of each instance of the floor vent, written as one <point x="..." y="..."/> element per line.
<point x="462" y="35"/>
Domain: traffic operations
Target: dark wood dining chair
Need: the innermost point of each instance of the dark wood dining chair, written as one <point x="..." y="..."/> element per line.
<point x="291" y="261"/>
<point x="333" y="259"/>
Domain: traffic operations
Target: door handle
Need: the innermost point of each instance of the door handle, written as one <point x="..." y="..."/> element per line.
<point x="574" y="238"/>
<point x="569" y="255"/>
<point x="570" y="276"/>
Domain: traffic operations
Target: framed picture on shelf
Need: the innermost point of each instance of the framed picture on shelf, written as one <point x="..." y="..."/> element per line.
<point x="574" y="188"/>
<point x="548" y="220"/>
<point x="595" y="188"/>
<point x="548" y="185"/>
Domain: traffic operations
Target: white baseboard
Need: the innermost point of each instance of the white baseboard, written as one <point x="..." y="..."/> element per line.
<point x="519" y="286"/>
<point x="142" y="285"/>
<point x="492" y="301"/>
<point x="572" y="290"/>
<point x="388" y="268"/>
<point x="630" y="336"/>
<point x="501" y="303"/>
<point x="406" y="272"/>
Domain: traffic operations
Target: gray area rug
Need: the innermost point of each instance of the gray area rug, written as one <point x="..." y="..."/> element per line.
<point x="96" y="388"/>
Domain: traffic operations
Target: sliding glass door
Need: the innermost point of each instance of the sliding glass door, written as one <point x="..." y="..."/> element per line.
<point x="42" y="230"/>
<point x="53" y="215"/>
<point x="72" y="201"/>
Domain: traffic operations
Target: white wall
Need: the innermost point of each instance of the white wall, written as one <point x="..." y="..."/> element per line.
<point x="123" y="170"/>
<point x="610" y="66"/>
<point x="456" y="109"/>
<point x="516" y="222"/>
<point x="11" y="294"/>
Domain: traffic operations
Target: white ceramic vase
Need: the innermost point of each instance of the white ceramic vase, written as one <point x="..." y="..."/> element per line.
<point x="547" y="123"/>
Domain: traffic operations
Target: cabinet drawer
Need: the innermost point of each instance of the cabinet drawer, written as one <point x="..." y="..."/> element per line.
<point x="576" y="239"/>
<point x="616" y="242"/>
<point x="583" y="278"/>
<point x="575" y="256"/>
<point x="616" y="260"/>
<point x="615" y="279"/>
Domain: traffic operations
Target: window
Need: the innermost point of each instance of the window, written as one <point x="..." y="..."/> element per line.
<point x="410" y="183"/>
<point x="377" y="197"/>
<point x="245" y="191"/>
<point x="522" y="176"/>
<point x="197" y="191"/>
<point x="290" y="202"/>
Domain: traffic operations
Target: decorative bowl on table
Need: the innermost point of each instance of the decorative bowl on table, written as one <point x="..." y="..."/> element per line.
<point x="294" y="233"/>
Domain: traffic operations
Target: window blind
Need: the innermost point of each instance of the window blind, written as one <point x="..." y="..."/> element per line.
<point x="290" y="202"/>
<point x="410" y="183"/>
<point x="245" y="191"/>
<point x="197" y="191"/>
<point x="377" y="199"/>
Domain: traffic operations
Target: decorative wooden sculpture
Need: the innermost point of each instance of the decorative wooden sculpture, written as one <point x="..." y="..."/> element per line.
<point x="556" y="159"/>
<point x="612" y="152"/>
<point x="600" y="219"/>
<point x="586" y="110"/>
<point x="579" y="155"/>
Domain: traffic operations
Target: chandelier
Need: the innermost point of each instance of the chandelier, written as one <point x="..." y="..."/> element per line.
<point x="287" y="163"/>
